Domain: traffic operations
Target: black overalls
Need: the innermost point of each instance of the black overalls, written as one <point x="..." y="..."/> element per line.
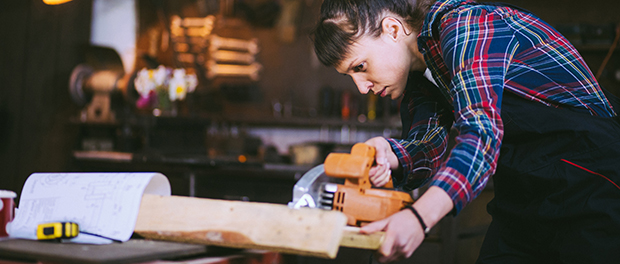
<point x="557" y="194"/>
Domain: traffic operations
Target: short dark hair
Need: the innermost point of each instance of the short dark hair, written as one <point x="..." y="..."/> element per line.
<point x="342" y="22"/>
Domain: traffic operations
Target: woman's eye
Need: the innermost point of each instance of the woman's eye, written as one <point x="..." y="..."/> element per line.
<point x="360" y="67"/>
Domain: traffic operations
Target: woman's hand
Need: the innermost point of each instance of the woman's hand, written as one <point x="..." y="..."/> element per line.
<point x="403" y="235"/>
<point x="386" y="160"/>
<point x="403" y="231"/>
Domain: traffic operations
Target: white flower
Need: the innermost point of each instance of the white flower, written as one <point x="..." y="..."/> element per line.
<point x="192" y="82"/>
<point x="160" y="74"/>
<point x="144" y="83"/>
<point x="177" y="85"/>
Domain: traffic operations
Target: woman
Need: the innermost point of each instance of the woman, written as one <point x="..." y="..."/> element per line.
<point x="524" y="105"/>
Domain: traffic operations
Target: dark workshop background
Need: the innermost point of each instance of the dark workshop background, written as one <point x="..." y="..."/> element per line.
<point x="40" y="45"/>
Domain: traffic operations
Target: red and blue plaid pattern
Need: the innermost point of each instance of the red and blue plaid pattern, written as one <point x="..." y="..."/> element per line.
<point x="476" y="52"/>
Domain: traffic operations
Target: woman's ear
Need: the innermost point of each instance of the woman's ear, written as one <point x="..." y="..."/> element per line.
<point x="391" y="27"/>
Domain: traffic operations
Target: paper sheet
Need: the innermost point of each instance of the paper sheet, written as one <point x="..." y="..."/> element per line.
<point x="106" y="204"/>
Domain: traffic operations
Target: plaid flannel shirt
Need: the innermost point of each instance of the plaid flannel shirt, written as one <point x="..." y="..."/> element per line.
<point x="475" y="53"/>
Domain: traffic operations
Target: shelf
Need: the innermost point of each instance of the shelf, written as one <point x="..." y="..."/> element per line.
<point x="205" y="120"/>
<point x="308" y="122"/>
<point x="193" y="162"/>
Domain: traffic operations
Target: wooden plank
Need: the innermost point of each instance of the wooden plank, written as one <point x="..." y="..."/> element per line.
<point x="274" y="227"/>
<point x="354" y="239"/>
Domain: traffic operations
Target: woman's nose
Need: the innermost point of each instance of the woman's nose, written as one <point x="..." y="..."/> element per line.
<point x="362" y="84"/>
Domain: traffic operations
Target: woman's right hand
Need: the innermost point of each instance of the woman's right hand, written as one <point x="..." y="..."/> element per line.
<point x="385" y="159"/>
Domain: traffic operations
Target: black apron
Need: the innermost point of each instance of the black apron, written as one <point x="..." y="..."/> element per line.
<point x="557" y="194"/>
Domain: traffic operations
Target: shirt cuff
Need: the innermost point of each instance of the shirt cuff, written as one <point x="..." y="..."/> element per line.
<point x="404" y="159"/>
<point x="455" y="185"/>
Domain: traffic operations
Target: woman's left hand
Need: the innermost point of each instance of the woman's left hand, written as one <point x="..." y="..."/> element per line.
<point x="403" y="230"/>
<point x="403" y="235"/>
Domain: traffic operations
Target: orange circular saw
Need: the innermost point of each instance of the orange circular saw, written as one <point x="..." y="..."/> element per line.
<point x="342" y="184"/>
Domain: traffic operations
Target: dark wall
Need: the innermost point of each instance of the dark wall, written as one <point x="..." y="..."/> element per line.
<point x="39" y="46"/>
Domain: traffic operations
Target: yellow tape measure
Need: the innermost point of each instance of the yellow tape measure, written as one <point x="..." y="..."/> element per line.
<point x="63" y="230"/>
<point x="57" y="230"/>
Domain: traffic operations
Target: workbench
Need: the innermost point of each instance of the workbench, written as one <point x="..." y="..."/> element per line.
<point x="19" y="251"/>
<point x="453" y="240"/>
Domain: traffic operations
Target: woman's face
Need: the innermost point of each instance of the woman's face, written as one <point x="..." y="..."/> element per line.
<point x="382" y="64"/>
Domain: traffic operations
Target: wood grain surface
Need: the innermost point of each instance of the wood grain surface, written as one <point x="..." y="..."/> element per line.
<point x="275" y="227"/>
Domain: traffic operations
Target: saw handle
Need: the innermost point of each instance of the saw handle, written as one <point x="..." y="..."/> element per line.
<point x="389" y="184"/>
<point x="353" y="167"/>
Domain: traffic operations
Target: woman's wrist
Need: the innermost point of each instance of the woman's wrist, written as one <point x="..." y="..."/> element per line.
<point x="426" y="229"/>
<point x="433" y="205"/>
